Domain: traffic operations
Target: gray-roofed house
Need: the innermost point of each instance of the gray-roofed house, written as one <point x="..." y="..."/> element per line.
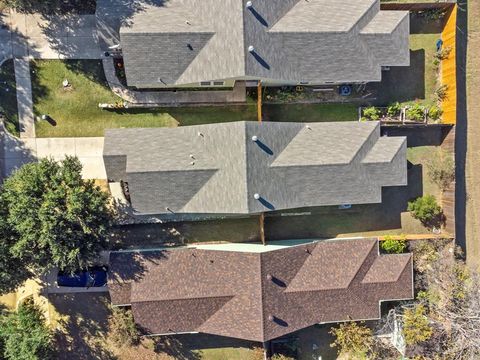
<point x="195" y="42"/>
<point x="245" y="167"/>
<point x="253" y="295"/>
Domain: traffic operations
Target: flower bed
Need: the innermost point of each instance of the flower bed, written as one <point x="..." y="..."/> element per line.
<point x="415" y="113"/>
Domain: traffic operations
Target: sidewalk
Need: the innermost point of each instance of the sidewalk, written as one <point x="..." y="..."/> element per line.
<point x="24" y="98"/>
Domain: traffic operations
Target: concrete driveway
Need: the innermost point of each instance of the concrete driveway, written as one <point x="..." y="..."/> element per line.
<point x="16" y="152"/>
<point x="49" y="37"/>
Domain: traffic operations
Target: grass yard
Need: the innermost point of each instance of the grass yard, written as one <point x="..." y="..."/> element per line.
<point x="421" y="155"/>
<point x="310" y="112"/>
<point x="8" y="97"/>
<point x="75" y="112"/>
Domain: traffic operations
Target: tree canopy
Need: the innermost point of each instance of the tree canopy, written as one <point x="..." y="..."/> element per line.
<point x="24" y="334"/>
<point x="51" y="217"/>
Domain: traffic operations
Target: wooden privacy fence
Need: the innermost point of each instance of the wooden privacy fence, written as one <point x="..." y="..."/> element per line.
<point x="449" y="68"/>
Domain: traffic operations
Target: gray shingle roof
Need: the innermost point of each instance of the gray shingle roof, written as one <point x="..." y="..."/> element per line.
<point x="217" y="168"/>
<point x="254" y="296"/>
<point x="317" y="41"/>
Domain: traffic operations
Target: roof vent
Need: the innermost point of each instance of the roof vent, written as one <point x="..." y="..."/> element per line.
<point x="251" y="49"/>
<point x="254" y="138"/>
<point x="249" y="4"/>
<point x="187" y="22"/>
<point x="256" y="196"/>
<point x="271" y="318"/>
<point x="200" y="134"/>
<point x="192" y="163"/>
<point x="191" y="156"/>
<point x="269" y="277"/>
<point x="308" y="127"/>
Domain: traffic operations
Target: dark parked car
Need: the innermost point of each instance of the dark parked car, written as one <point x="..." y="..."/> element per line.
<point x="93" y="277"/>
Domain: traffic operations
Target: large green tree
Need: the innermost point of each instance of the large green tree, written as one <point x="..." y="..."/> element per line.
<point x="52" y="217"/>
<point x="24" y="334"/>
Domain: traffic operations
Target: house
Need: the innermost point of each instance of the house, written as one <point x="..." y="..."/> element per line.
<point x="257" y="293"/>
<point x="280" y="42"/>
<point x="242" y="168"/>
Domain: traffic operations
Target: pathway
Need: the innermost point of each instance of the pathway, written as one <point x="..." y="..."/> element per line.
<point x="24" y="97"/>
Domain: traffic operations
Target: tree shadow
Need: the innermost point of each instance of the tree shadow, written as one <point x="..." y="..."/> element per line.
<point x="188" y="346"/>
<point x="131" y="266"/>
<point x="83" y="327"/>
<point x="8" y="97"/>
<point x="55" y="6"/>
<point x="172" y="346"/>
<point x="113" y="14"/>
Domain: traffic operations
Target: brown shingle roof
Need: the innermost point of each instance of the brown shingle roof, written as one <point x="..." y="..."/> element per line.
<point x="258" y="296"/>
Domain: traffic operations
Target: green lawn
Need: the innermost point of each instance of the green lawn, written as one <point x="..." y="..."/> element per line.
<point x="421" y="155"/>
<point x="75" y="112"/>
<point x="427" y="43"/>
<point x="310" y="112"/>
<point x="8" y="97"/>
<point x="226" y="353"/>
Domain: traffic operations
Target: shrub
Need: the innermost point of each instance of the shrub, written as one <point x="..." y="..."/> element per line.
<point x="394" y="109"/>
<point x="353" y="339"/>
<point x="425" y="209"/>
<point x="371" y="113"/>
<point x="416" y="326"/>
<point x="256" y="354"/>
<point x="122" y="327"/>
<point x="441" y="169"/>
<point x="394" y="246"/>
<point x="443" y="53"/>
<point x="415" y="112"/>
<point x="281" y="357"/>
<point x="435" y="112"/>
<point x="441" y="92"/>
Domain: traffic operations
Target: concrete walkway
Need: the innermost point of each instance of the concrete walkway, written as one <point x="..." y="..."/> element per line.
<point x="24" y="97"/>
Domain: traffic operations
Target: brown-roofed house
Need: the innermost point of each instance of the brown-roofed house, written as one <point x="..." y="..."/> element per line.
<point x="257" y="293"/>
